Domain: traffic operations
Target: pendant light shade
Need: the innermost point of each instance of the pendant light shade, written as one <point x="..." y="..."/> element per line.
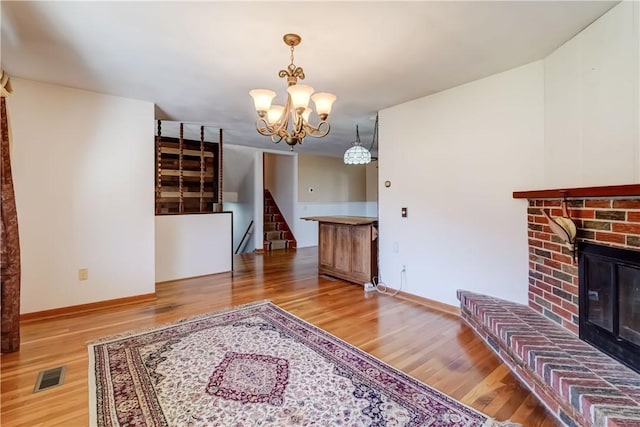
<point x="357" y="154"/>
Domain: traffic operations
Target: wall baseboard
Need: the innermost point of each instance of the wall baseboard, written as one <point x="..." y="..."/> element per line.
<point x="82" y="308"/>
<point x="436" y="305"/>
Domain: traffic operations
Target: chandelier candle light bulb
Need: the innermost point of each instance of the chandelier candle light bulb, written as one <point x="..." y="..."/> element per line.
<point x="274" y="121"/>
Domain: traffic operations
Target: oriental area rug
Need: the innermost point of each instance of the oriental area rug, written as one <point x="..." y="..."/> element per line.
<point x="256" y="365"/>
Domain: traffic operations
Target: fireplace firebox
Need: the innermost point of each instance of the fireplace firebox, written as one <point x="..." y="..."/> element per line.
<point x="609" y="287"/>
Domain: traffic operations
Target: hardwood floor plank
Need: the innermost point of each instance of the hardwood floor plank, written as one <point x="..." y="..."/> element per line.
<point x="436" y="348"/>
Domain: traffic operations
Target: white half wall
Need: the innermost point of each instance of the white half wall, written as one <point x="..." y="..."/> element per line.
<point x="453" y="160"/>
<point x="84" y="182"/>
<point x="192" y="245"/>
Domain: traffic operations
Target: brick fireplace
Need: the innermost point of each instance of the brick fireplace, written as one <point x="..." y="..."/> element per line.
<point x="553" y="272"/>
<point x="611" y="220"/>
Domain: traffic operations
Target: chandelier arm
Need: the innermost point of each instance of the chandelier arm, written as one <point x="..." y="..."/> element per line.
<point x="322" y="129"/>
<point x="263" y="127"/>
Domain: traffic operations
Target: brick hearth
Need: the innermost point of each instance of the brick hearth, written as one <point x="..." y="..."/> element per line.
<point x="553" y="273"/>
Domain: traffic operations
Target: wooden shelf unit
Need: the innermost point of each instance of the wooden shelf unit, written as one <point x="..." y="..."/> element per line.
<point x="188" y="176"/>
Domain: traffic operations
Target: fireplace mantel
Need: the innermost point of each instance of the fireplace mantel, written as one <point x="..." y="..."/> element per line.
<point x="631" y="190"/>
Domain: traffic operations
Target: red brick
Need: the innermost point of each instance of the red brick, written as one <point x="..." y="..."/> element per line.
<point x="597" y="203"/>
<point x="530" y="218"/>
<point x="552" y="264"/>
<point x="556" y="212"/>
<point x="626" y="204"/>
<point x="583" y="213"/>
<point x="625" y="228"/>
<point x="542" y="269"/>
<point x="610" y="237"/>
<point x="552" y="299"/>
<point x="562" y="258"/>
<point x="633" y="216"/>
<point x="573" y="290"/>
<point x="561" y="312"/>
<point x="541" y="236"/>
<point x="536" y="243"/>
<point x="539" y="220"/>
<point x="552" y="247"/>
<point x="535" y="306"/>
<point x="546" y="399"/>
<point x="551" y="203"/>
<point x="543" y="286"/>
<point x="570" y="326"/>
<point x="535" y="290"/>
<point x="569" y="306"/>
<point x="552" y="281"/>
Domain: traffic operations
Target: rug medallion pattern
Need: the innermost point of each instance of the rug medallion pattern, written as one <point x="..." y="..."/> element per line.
<point x="256" y="365"/>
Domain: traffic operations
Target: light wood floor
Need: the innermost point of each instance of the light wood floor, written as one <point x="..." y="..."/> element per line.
<point x="436" y="348"/>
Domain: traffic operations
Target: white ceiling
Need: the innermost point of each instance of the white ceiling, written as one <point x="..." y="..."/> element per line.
<point x="197" y="60"/>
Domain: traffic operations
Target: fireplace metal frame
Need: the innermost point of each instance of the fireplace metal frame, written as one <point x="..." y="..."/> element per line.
<point x="607" y="342"/>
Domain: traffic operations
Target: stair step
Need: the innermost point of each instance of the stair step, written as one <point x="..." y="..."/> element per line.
<point x="273" y="235"/>
<point x="271" y="226"/>
<point x="278" y="244"/>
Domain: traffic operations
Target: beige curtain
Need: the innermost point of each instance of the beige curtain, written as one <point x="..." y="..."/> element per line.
<point x="9" y="242"/>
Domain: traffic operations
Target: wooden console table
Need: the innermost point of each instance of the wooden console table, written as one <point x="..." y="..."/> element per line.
<point x="347" y="247"/>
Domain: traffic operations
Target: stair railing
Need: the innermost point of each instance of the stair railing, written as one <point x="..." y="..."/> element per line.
<point x="244" y="240"/>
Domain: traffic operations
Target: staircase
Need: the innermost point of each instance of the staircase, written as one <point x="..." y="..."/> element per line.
<point x="277" y="234"/>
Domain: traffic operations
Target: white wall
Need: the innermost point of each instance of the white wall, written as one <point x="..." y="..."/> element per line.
<point x="371" y="171"/>
<point x="591" y="104"/>
<point x="83" y="174"/>
<point x="470" y="147"/>
<point x="192" y="245"/>
<point x="326" y="186"/>
<point x="239" y="178"/>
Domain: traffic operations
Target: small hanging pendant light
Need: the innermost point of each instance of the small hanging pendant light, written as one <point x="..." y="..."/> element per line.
<point x="357" y="154"/>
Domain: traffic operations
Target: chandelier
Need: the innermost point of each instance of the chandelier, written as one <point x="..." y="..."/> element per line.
<point x="291" y="121"/>
<point x="357" y="154"/>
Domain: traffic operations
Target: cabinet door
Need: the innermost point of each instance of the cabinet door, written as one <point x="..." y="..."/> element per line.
<point x="326" y="242"/>
<point x="342" y="260"/>
<point x="361" y="251"/>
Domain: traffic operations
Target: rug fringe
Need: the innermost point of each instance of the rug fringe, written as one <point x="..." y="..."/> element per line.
<point x="495" y="423"/>
<point x="196" y="317"/>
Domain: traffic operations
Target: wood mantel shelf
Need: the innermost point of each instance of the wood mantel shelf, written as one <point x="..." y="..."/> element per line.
<point x="605" y="191"/>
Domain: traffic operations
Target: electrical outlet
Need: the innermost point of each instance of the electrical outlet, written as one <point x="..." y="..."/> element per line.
<point x="369" y="287"/>
<point x="83" y="274"/>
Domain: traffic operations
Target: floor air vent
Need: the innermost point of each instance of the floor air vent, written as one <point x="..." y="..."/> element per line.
<point x="49" y="379"/>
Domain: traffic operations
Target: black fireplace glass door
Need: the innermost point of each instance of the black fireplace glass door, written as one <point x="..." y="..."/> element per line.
<point x="600" y="293"/>
<point x="629" y="302"/>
